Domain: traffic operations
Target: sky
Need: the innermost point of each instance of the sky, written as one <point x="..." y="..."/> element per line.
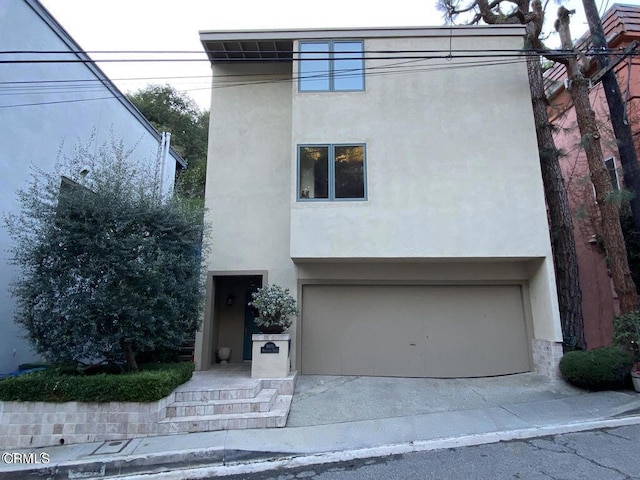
<point x="174" y="25"/>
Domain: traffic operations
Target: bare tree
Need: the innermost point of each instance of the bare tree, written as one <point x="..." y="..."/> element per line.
<point x="531" y="15"/>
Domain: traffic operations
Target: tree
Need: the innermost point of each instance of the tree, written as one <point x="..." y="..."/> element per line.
<point x="171" y="111"/>
<point x="609" y="211"/>
<point x="560" y="223"/>
<point x="110" y="268"/>
<point x="617" y="111"/>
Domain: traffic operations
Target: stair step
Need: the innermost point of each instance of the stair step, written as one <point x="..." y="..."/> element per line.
<point x="262" y="402"/>
<point x="218" y="394"/>
<point x="276" y="417"/>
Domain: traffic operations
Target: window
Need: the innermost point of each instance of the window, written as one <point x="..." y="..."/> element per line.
<point x="331" y="66"/>
<point x="610" y="163"/>
<point x="331" y="172"/>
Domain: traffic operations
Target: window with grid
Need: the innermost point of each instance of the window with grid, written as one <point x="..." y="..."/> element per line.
<point x="331" y="66"/>
<point x="331" y="172"/>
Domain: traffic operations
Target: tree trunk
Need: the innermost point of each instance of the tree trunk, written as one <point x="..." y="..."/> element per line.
<point x="132" y="365"/>
<point x="560" y="223"/>
<point x="612" y="236"/>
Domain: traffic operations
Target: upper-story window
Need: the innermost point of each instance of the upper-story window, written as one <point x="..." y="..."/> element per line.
<point x="610" y="163"/>
<point x="331" y="172"/>
<point x="331" y="66"/>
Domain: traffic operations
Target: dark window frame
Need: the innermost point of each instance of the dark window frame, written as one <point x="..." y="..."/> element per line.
<point x="331" y="58"/>
<point x="331" y="173"/>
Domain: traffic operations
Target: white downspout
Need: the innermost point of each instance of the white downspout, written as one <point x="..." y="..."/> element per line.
<point x="165" y="144"/>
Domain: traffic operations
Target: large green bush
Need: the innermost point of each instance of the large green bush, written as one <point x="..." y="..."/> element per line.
<point x="110" y="267"/>
<point x="151" y="383"/>
<point x="599" y="369"/>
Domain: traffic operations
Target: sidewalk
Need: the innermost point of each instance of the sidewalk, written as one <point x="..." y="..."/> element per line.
<point x="341" y="418"/>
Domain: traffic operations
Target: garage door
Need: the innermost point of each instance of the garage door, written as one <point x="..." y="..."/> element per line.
<point x="413" y="331"/>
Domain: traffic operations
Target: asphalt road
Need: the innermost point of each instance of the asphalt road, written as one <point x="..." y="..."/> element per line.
<point x="607" y="454"/>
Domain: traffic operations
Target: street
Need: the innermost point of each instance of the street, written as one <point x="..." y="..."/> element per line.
<point x="605" y="454"/>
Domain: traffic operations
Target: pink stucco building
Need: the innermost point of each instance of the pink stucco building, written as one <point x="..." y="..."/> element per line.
<point x="622" y="27"/>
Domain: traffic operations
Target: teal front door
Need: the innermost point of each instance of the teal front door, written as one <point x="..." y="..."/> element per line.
<point x="250" y="326"/>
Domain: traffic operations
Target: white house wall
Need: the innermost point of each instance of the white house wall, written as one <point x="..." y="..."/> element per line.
<point x="37" y="122"/>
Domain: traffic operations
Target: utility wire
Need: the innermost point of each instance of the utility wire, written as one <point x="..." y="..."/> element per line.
<point x="391" y="69"/>
<point x="359" y="55"/>
<point x="404" y="64"/>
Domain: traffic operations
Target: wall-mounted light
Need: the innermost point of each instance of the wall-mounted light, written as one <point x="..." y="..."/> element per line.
<point x="230" y="300"/>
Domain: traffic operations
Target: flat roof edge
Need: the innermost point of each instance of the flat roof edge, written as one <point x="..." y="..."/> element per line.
<point x="368" y="32"/>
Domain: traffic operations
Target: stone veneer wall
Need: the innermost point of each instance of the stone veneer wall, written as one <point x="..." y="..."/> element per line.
<point x="41" y="424"/>
<point x="546" y="357"/>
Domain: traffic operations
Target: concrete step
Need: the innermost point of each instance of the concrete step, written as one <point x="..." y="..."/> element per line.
<point x="262" y="402"/>
<point x="230" y="393"/>
<point x="275" y="417"/>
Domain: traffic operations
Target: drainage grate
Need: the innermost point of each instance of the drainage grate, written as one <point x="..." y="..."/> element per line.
<point x="115" y="446"/>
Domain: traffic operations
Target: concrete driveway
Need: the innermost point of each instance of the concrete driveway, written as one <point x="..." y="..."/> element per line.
<point x="321" y="400"/>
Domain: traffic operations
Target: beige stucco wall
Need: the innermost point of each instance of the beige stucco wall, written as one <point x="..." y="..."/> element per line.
<point x="248" y="189"/>
<point x="452" y="166"/>
<point x="454" y="185"/>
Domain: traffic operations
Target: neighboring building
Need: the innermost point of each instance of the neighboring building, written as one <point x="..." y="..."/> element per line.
<point x="599" y="300"/>
<point x="398" y="197"/>
<point x="48" y="108"/>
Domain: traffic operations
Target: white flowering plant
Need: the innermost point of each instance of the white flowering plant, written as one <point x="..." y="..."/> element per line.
<point x="275" y="306"/>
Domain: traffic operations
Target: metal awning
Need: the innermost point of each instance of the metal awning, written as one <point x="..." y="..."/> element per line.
<point x="249" y="50"/>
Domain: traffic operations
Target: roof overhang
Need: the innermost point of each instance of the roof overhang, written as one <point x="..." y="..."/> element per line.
<point x="277" y="45"/>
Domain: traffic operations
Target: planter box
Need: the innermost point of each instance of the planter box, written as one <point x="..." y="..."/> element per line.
<point x="270" y="357"/>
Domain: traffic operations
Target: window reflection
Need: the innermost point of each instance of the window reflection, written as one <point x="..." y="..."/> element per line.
<point x="349" y="171"/>
<point x="314" y="66"/>
<point x="331" y="172"/>
<point x="348" y="73"/>
<point x="336" y="65"/>
<point x="314" y="172"/>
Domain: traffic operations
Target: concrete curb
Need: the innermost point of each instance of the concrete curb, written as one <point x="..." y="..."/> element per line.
<point x="218" y="461"/>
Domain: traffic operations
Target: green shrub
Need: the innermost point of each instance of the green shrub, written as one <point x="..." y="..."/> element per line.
<point x="599" y="369"/>
<point x="626" y="333"/>
<point x="151" y="383"/>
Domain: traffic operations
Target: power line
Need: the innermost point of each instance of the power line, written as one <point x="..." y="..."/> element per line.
<point x="404" y="67"/>
<point x="367" y="55"/>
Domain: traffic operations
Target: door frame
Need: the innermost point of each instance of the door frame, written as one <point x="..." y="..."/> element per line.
<point x="207" y="336"/>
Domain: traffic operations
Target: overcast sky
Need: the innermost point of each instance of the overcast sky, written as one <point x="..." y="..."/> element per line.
<point x="170" y="25"/>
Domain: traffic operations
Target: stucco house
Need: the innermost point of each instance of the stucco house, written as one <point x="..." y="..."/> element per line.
<point x="48" y="107"/>
<point x="621" y="24"/>
<point x="389" y="177"/>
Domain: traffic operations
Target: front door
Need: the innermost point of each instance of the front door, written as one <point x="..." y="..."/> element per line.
<point x="250" y="326"/>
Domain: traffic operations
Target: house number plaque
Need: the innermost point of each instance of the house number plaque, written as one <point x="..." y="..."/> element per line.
<point x="269" y="347"/>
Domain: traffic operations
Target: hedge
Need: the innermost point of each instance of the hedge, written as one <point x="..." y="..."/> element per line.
<point x="151" y="383"/>
<point x="599" y="369"/>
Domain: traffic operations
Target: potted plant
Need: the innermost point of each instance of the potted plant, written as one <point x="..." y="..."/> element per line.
<point x="626" y="335"/>
<point x="274" y="306"/>
<point x="635" y="376"/>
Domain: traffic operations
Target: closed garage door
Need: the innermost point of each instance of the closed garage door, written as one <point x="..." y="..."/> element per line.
<point x="413" y="331"/>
